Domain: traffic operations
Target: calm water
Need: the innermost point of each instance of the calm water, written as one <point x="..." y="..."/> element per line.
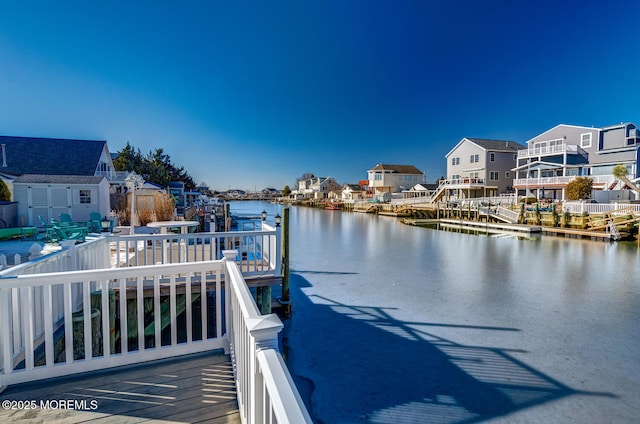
<point x="396" y="324"/>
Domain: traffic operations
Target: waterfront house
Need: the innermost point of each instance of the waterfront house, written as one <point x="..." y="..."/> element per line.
<point x="54" y="156"/>
<point x="479" y="167"/>
<point x="48" y="196"/>
<point x="350" y="192"/>
<point x="315" y="187"/>
<point x="557" y="156"/>
<point x="420" y="191"/>
<point x="385" y="178"/>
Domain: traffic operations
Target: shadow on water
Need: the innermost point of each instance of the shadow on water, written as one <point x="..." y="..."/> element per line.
<point x="362" y="365"/>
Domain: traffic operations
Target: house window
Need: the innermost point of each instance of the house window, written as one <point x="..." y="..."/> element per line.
<point x="85" y="197"/>
<point x="494" y="176"/>
<point x="474" y="175"/>
<point x="492" y="157"/>
<point x="515" y="156"/>
<point x="507" y="174"/>
<point x="455" y="161"/>
<point x="474" y="158"/>
<point x="585" y="140"/>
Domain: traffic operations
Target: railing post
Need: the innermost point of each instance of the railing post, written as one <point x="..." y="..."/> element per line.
<point x="228" y="255"/>
<point x="264" y="333"/>
<point x="278" y="261"/>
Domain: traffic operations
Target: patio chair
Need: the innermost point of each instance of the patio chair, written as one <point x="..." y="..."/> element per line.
<point x="65" y="218"/>
<point x="48" y="229"/>
<point x="69" y="233"/>
<point x="95" y="222"/>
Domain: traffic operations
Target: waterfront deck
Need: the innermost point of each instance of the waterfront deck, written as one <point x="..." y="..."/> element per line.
<point x="195" y="388"/>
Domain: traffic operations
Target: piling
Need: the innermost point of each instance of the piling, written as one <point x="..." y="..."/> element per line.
<point x="286" y="299"/>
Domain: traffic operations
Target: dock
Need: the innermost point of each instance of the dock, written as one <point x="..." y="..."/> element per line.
<point x="194" y="388"/>
<point x="483" y="226"/>
<point x="516" y="229"/>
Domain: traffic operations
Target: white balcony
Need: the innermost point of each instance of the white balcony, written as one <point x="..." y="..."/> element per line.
<point x="598" y="181"/>
<point x="558" y="149"/>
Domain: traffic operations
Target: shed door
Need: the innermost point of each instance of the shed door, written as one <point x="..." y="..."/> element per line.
<point x="38" y="199"/>
<point x="48" y="202"/>
<point x="60" y="201"/>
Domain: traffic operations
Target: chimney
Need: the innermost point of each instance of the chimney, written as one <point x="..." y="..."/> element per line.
<point x="4" y="155"/>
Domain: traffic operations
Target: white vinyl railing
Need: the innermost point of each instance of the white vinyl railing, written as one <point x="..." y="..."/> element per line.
<point x="548" y="150"/>
<point x="522" y="182"/>
<point x="590" y="208"/>
<point x="92" y="254"/>
<point x="262" y="377"/>
<point x="258" y="251"/>
<point x="97" y="319"/>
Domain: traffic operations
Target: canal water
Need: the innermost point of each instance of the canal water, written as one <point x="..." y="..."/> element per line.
<point x="400" y="324"/>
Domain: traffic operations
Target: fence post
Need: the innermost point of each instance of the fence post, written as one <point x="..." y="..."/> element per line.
<point x="285" y="300"/>
<point x="264" y="332"/>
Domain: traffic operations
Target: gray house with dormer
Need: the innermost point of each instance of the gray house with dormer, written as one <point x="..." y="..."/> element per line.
<point x="478" y="167"/>
<point x="49" y="176"/>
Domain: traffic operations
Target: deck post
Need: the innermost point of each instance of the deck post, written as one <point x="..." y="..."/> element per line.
<point x="286" y="300"/>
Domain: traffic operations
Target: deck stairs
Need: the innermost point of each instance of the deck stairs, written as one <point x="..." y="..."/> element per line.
<point x="439" y="193"/>
<point x="502" y="214"/>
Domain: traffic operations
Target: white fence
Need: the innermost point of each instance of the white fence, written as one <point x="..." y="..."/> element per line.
<point x="92" y="254"/>
<point x="96" y="319"/>
<point x="591" y="208"/>
<point x="258" y="251"/>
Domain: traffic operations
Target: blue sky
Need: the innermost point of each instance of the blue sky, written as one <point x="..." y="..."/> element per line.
<point x="254" y="94"/>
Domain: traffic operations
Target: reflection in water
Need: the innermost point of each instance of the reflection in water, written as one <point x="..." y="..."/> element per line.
<point x="518" y="323"/>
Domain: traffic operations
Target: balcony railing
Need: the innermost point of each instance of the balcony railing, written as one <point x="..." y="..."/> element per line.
<point x="571" y="149"/>
<point x="72" y="321"/>
<point x="113" y="176"/>
<point x="562" y="181"/>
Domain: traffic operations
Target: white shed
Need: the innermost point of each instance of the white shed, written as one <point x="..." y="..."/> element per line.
<point x="51" y="195"/>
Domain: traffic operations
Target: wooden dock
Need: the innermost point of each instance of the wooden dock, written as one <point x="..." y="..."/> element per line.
<point x="498" y="227"/>
<point x="194" y="388"/>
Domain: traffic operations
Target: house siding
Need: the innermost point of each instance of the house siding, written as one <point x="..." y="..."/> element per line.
<point x="49" y="200"/>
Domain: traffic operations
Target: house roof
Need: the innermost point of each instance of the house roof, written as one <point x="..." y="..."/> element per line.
<point x="51" y="156"/>
<point x="58" y="179"/>
<point x="562" y="126"/>
<point x="489" y="144"/>
<point x="353" y="187"/>
<point x="498" y="145"/>
<point x="400" y="169"/>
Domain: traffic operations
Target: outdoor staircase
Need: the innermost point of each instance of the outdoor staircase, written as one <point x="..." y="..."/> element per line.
<point x="437" y="195"/>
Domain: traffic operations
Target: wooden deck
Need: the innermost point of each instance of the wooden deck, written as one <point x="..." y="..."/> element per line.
<point x="194" y="388"/>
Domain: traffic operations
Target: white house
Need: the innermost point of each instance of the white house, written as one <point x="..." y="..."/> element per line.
<point x="316" y="187"/>
<point x="50" y="195"/>
<point x="351" y="192"/>
<point x="384" y="178"/>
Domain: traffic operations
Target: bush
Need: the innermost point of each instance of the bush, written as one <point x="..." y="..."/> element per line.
<point x="580" y="188"/>
<point x="5" y="194"/>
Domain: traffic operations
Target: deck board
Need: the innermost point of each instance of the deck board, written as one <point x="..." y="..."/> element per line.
<point x="194" y="388"/>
